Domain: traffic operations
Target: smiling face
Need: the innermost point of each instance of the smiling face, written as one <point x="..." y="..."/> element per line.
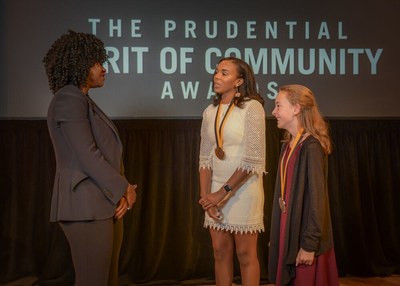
<point x="226" y="79"/>
<point x="286" y="113"/>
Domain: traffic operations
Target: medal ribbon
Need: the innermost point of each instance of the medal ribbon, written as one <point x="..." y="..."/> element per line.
<point x="219" y="129"/>
<point x="283" y="169"/>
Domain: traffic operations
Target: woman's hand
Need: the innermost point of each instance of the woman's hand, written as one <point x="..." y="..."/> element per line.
<point x="212" y="199"/>
<point x="214" y="213"/>
<point x="305" y="257"/>
<point x="130" y="195"/>
<point x="126" y="202"/>
<point x="122" y="208"/>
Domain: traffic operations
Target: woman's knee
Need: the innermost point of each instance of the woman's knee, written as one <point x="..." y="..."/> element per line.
<point x="221" y="250"/>
<point x="245" y="257"/>
<point x="222" y="246"/>
<point x="246" y="254"/>
<point x="246" y="248"/>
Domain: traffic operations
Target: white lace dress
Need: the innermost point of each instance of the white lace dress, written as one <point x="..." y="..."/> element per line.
<point x="244" y="146"/>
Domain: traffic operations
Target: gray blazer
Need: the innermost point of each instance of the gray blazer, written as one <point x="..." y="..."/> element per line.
<point x="89" y="178"/>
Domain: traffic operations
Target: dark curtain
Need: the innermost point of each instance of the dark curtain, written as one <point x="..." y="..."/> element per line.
<point x="164" y="241"/>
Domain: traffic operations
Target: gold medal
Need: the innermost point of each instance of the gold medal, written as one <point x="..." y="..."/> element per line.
<point x="220" y="153"/>
<point x="282" y="205"/>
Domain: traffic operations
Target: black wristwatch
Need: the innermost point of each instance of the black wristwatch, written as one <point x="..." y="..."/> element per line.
<point x="228" y="188"/>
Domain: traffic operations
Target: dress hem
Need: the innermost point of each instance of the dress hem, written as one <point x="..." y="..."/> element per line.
<point x="242" y="229"/>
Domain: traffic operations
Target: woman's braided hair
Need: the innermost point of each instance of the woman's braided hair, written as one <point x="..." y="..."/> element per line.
<point x="70" y="58"/>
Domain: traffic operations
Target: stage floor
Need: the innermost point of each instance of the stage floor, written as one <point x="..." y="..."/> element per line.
<point x="371" y="281"/>
<point x="344" y="281"/>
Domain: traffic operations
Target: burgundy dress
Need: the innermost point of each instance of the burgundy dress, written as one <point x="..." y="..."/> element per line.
<point x="323" y="271"/>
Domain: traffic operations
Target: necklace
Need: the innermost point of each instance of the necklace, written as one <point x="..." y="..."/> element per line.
<point x="283" y="170"/>
<point x="219" y="129"/>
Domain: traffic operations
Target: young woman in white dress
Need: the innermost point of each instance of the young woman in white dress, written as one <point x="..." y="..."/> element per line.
<point x="232" y="164"/>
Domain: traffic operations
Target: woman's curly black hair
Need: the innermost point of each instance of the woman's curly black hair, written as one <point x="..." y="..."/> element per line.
<point x="70" y="58"/>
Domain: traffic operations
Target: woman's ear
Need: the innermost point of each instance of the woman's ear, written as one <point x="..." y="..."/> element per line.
<point x="297" y="109"/>
<point x="239" y="82"/>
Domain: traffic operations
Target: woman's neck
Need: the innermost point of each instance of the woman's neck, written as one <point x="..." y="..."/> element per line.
<point x="85" y="90"/>
<point x="294" y="132"/>
<point x="227" y="98"/>
<point x="294" y="128"/>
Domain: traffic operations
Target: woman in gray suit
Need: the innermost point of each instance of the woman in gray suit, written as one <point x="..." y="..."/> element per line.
<point x="91" y="193"/>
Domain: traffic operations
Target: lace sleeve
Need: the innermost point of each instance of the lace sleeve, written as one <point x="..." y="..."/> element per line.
<point x="253" y="159"/>
<point x="206" y="143"/>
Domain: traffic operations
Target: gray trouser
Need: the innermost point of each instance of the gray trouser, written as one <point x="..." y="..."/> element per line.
<point x="91" y="244"/>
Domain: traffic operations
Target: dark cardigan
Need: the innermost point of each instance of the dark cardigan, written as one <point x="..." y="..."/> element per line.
<point x="308" y="223"/>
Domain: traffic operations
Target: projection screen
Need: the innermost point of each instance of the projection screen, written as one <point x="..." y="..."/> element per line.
<point x="162" y="54"/>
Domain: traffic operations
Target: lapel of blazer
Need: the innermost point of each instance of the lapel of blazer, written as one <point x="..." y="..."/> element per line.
<point x="93" y="107"/>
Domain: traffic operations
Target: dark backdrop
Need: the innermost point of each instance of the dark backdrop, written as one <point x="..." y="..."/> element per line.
<point x="164" y="241"/>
